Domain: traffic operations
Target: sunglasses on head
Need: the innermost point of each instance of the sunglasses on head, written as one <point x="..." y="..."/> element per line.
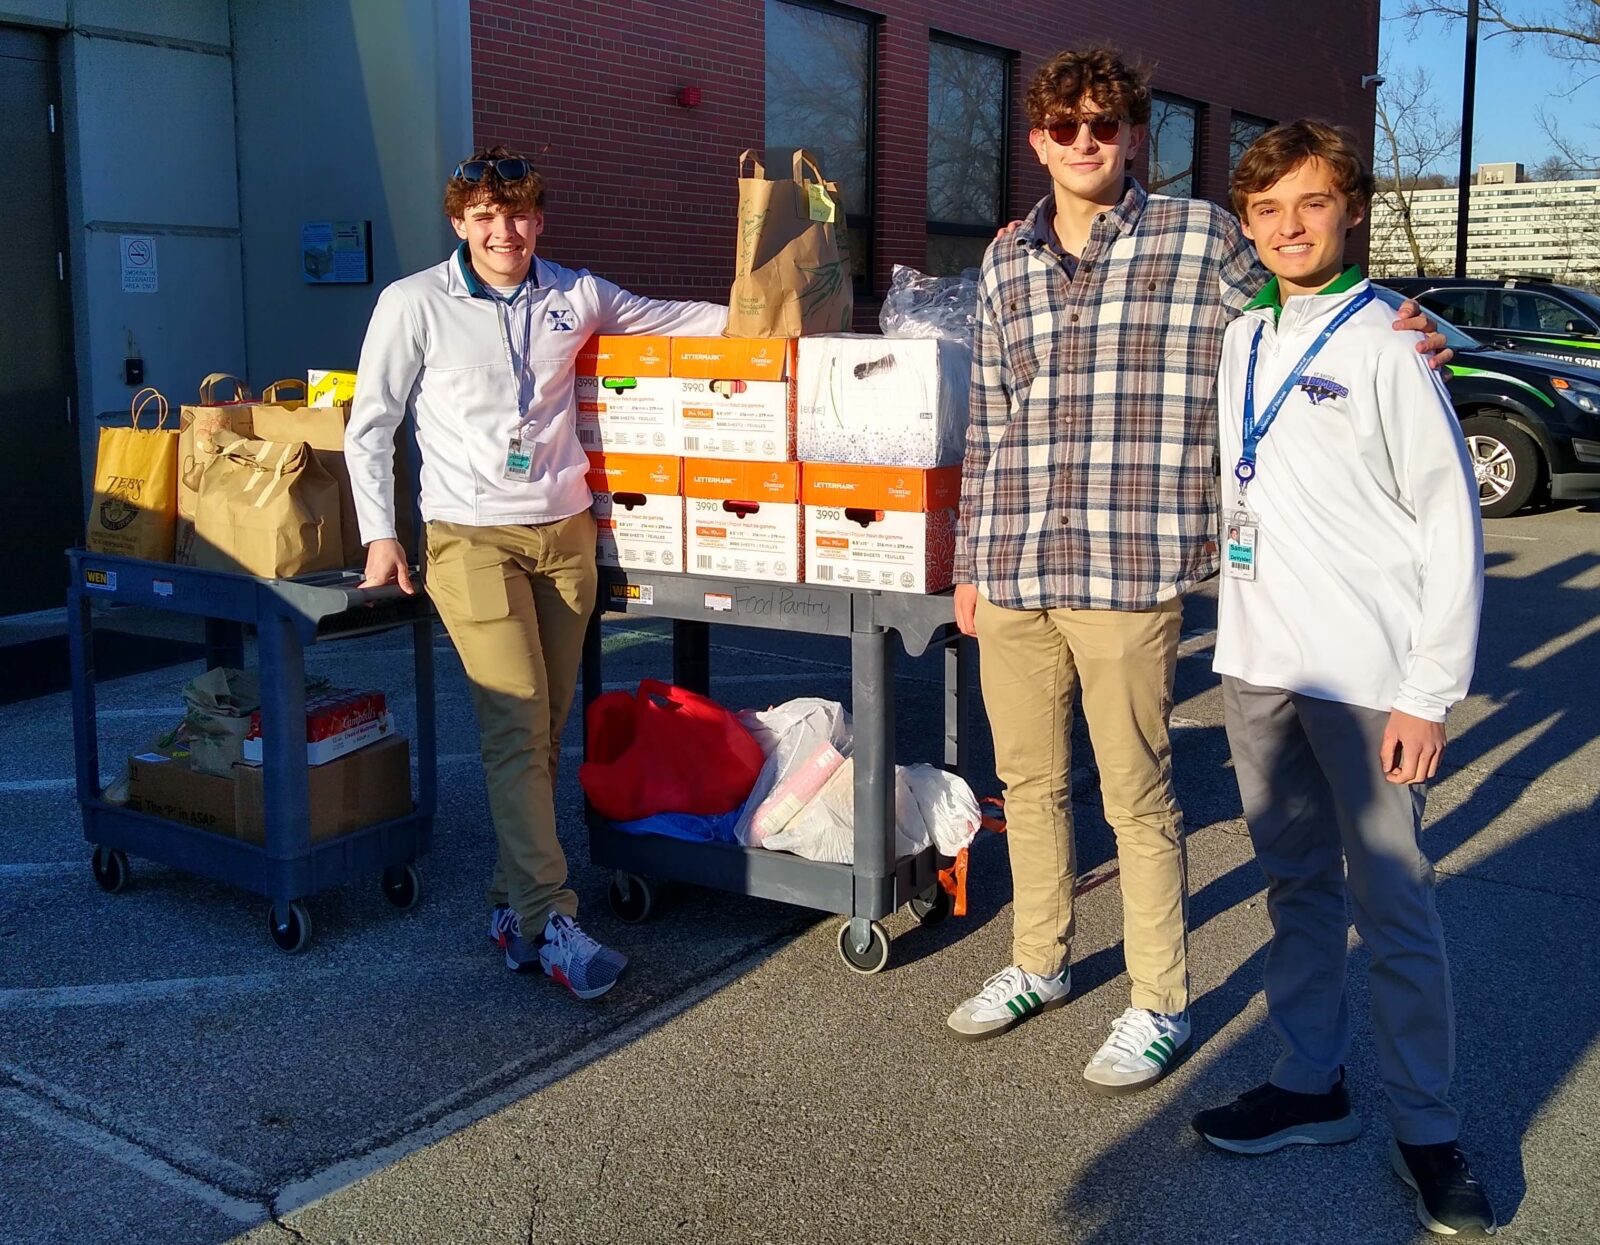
<point x="507" y="169"/>
<point x="1065" y="131"/>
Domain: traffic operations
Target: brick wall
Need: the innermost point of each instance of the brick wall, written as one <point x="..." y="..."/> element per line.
<point x="642" y="190"/>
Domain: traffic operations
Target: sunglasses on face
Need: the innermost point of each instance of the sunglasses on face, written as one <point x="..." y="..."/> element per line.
<point x="508" y="169"/>
<point x="1065" y="131"/>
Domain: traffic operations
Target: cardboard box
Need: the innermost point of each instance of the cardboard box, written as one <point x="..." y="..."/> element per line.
<point x="638" y="510"/>
<point x="891" y="528"/>
<point x="359" y="789"/>
<point x="324" y="388"/>
<point x="627" y="402"/>
<point x="166" y="786"/>
<point x="337" y="722"/>
<point x="735" y="397"/>
<point x="744" y="520"/>
<point x="889" y="401"/>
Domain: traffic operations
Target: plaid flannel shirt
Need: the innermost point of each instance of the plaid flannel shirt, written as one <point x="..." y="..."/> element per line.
<point x="1090" y="477"/>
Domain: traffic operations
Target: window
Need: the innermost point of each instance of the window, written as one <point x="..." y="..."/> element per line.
<point x="1174" y="129"/>
<point x="1539" y="313"/>
<point x="819" y="96"/>
<point x="1242" y="131"/>
<point x="967" y="141"/>
<point x="1466" y="308"/>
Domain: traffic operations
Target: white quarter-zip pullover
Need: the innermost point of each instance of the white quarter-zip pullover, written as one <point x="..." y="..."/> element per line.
<point x="443" y="348"/>
<point x="1369" y="571"/>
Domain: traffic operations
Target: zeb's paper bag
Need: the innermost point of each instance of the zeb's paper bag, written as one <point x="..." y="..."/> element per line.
<point x="198" y="425"/>
<point x="266" y="508"/>
<point x="135" y="486"/>
<point x="791" y="270"/>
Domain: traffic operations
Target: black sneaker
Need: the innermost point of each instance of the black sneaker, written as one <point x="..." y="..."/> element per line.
<point x="1267" y="1118"/>
<point x="1450" y="1199"/>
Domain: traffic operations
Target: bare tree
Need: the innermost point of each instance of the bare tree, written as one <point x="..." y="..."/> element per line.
<point x="1569" y="29"/>
<point x="1410" y="138"/>
<point x="1553" y="168"/>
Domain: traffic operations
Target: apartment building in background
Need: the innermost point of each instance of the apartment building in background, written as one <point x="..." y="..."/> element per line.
<point x="176" y="169"/>
<point x="1514" y="227"/>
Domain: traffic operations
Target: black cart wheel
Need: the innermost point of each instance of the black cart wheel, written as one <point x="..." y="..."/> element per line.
<point x="289" y="927"/>
<point x="871" y="960"/>
<point x="632" y="898"/>
<point x="932" y="906"/>
<point x="110" y="867"/>
<point x="402" y="886"/>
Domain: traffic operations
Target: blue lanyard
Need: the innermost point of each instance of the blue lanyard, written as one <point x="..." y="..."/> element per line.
<point x="1245" y="470"/>
<point x="521" y="368"/>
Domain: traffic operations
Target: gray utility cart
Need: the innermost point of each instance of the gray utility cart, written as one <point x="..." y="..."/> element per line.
<point x="876" y="884"/>
<point x="287" y="615"/>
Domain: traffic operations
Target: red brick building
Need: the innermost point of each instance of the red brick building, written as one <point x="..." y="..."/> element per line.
<point x="915" y="103"/>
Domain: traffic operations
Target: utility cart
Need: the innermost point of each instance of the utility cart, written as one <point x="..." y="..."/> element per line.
<point x="877" y="883"/>
<point x="287" y="615"/>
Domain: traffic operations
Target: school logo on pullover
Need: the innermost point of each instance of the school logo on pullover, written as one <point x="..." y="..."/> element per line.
<point x="1320" y="388"/>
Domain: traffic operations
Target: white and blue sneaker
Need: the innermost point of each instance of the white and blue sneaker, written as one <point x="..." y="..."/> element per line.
<point x="502" y="921"/>
<point x="1142" y="1048"/>
<point x="1006" y="1000"/>
<point x="576" y="960"/>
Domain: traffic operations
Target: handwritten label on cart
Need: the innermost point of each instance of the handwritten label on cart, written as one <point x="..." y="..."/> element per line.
<point x="782" y="603"/>
<point x="622" y="594"/>
<point x="100" y="581"/>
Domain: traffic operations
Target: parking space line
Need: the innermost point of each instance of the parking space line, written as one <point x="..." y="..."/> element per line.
<point x="131" y="1156"/>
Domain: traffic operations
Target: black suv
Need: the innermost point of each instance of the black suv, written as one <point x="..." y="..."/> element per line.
<point x="1531" y="422"/>
<point x="1514" y="313"/>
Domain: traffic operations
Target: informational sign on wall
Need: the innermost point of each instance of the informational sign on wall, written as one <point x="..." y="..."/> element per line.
<point x="336" y="252"/>
<point x="138" y="264"/>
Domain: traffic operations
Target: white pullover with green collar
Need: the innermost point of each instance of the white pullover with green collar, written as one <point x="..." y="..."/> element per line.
<point x="1369" y="574"/>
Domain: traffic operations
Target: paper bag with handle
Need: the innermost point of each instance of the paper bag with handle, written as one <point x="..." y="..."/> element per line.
<point x="136" y="485"/>
<point x="266" y="508"/>
<point x="198" y="425"/>
<point x="791" y="267"/>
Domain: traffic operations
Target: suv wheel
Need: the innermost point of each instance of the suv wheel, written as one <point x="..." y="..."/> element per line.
<point x="1505" y="464"/>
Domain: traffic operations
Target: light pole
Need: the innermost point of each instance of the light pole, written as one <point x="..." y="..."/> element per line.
<point x="1464" y="181"/>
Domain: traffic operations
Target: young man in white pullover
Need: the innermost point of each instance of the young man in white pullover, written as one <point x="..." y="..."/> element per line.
<point x="479" y="351"/>
<point x="1347" y="626"/>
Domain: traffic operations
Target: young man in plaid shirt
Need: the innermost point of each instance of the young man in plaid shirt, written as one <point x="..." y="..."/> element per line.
<point x="1088" y="507"/>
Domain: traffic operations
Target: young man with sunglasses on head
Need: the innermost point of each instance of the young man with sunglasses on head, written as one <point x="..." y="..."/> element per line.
<point x="1088" y="507"/>
<point x="479" y="351"/>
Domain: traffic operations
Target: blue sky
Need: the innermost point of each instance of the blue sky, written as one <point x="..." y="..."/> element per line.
<point x="1514" y="83"/>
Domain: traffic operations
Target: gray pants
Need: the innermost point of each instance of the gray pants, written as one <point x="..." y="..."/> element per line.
<point x="1325" y="823"/>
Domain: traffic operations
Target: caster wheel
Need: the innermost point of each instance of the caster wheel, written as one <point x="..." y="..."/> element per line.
<point x="289" y="928"/>
<point x="871" y="960"/>
<point x="632" y="898"/>
<point x="932" y="906"/>
<point x="110" y="867"/>
<point x="402" y="886"/>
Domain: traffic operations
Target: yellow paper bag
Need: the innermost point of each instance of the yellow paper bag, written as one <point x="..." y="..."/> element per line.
<point x="791" y="266"/>
<point x="136" y="486"/>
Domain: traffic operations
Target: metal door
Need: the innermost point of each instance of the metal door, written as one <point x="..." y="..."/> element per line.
<point x="41" y="497"/>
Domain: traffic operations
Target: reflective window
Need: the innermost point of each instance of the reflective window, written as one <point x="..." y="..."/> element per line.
<point x="1174" y="132"/>
<point x="967" y="107"/>
<point x="1242" y="131"/>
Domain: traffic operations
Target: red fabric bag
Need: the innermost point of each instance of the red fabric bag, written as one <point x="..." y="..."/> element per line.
<point x="665" y="750"/>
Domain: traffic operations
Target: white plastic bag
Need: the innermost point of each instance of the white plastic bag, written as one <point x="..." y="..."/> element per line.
<point x="947" y="805"/>
<point x="825" y="829"/>
<point x="918" y="305"/>
<point x="805" y="742"/>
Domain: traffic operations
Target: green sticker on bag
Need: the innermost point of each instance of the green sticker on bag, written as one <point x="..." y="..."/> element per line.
<point x="822" y="208"/>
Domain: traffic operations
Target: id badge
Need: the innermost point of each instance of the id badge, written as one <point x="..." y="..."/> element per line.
<point x="519" y="463"/>
<point x="1242" y="541"/>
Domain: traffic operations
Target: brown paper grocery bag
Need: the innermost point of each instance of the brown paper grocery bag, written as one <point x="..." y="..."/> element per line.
<point x="198" y="424"/>
<point x="322" y="428"/>
<point x="266" y="508"/>
<point x="136" y="486"/>
<point x="791" y="267"/>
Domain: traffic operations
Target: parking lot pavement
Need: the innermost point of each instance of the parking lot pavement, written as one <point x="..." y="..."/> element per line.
<point x="167" y="1075"/>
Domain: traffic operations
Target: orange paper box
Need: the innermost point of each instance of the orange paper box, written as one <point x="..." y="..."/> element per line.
<point x="733" y="358"/>
<point x="608" y="355"/>
<point x="880" y="488"/>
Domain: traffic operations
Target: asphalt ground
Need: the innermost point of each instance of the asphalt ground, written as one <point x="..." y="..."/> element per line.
<point x="166" y="1075"/>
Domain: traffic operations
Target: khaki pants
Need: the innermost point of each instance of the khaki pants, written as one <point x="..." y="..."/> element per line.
<point x="516" y="602"/>
<point x="1032" y="663"/>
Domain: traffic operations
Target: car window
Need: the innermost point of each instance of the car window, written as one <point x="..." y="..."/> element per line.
<point x="1467" y="308"/>
<point x="1539" y="313"/>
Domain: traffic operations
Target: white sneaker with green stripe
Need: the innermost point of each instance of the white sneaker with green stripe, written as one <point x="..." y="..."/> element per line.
<point x="1008" y="998"/>
<point x="1140" y="1051"/>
